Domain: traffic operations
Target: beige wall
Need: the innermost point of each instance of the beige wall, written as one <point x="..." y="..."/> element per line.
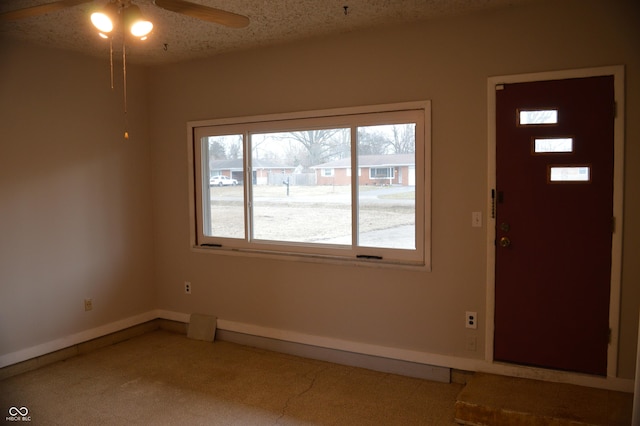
<point x="75" y="203"/>
<point x="447" y="61"/>
<point x="85" y="214"/>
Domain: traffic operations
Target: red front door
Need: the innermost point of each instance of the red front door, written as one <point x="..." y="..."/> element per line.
<point x="554" y="208"/>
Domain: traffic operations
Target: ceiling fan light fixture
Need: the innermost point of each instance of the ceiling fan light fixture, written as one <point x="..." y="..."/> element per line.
<point x="129" y="17"/>
<point x="137" y="25"/>
<point x="141" y="28"/>
<point x="104" y="19"/>
<point x="102" y="22"/>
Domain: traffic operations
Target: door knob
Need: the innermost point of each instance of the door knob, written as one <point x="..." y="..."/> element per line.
<point x="505" y="242"/>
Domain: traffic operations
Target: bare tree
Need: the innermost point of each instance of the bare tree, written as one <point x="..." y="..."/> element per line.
<point x="321" y="145"/>
<point x="372" y="143"/>
<point x="216" y="150"/>
<point x="235" y="149"/>
<point x="404" y="137"/>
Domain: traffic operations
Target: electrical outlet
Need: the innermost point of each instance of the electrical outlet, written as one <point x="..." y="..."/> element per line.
<point x="471" y="320"/>
<point x="187" y="287"/>
<point x="88" y="304"/>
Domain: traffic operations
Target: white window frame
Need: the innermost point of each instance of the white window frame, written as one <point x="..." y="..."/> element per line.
<point x="364" y="116"/>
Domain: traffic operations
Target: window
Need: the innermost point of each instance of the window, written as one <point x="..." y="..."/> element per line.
<point x="537" y="117"/>
<point x="569" y="173"/>
<point x="283" y="185"/>
<point x="381" y="173"/>
<point x="552" y="145"/>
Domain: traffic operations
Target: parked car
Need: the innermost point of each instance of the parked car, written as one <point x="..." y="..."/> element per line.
<point x="222" y="181"/>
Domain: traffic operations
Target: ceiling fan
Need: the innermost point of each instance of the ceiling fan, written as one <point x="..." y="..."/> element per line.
<point x="205" y="13"/>
<point x="105" y="21"/>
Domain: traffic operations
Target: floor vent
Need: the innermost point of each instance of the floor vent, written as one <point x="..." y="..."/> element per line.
<point x="202" y="327"/>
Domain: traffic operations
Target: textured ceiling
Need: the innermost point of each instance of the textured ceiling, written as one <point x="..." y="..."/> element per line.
<point x="178" y="38"/>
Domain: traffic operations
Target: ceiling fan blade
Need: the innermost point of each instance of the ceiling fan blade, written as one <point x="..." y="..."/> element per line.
<point x="205" y="13"/>
<point x="39" y="10"/>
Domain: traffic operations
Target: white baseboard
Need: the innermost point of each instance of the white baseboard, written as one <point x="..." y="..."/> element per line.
<point x="173" y="316"/>
<point x="322" y="342"/>
<point x="437" y="360"/>
<point x="75" y="339"/>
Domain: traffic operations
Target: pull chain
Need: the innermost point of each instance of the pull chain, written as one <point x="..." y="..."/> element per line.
<point x="111" y="59"/>
<point x="124" y="77"/>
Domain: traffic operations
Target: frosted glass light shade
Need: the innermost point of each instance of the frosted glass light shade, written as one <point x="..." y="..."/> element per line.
<point x="102" y="22"/>
<point x="135" y="23"/>
<point x="141" y="28"/>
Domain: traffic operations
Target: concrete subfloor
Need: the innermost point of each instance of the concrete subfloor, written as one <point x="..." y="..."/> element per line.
<point x="161" y="377"/>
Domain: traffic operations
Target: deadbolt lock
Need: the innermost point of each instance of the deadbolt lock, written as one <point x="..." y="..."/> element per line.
<point x="505" y="242"/>
<point x="504" y="227"/>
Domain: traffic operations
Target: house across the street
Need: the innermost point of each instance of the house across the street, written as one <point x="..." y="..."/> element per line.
<point x="263" y="172"/>
<point x="391" y="169"/>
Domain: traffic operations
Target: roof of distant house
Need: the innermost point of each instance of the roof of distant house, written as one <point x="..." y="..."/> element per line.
<point x="387" y="160"/>
<point x="238" y="163"/>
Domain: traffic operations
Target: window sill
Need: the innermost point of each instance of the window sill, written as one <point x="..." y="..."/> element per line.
<point x="312" y="258"/>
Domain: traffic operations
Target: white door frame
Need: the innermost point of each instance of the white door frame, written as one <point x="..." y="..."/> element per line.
<point x="618" y="187"/>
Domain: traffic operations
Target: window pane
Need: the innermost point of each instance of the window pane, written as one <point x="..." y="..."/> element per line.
<point x="553" y="145"/>
<point x="569" y="174"/>
<point x="223" y="215"/>
<point x="539" y="116"/>
<point x="301" y="190"/>
<point x="386" y="193"/>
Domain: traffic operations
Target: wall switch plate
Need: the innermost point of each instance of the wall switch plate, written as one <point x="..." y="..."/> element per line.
<point x="476" y="219"/>
<point x="471" y="320"/>
<point x="472" y="343"/>
<point x="88" y="304"/>
<point x="187" y="287"/>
